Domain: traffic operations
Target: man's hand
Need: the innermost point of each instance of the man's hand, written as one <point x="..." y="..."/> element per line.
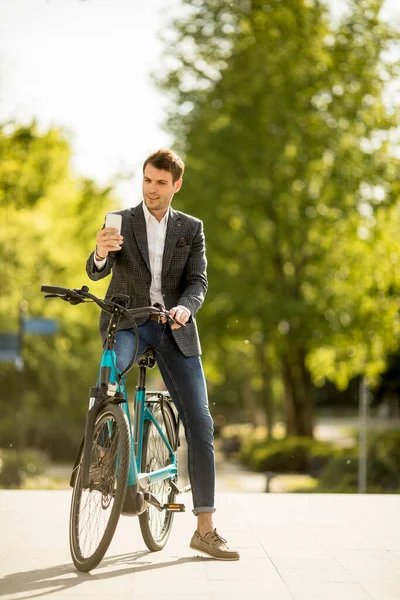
<point x="180" y="314"/>
<point x="108" y="240"/>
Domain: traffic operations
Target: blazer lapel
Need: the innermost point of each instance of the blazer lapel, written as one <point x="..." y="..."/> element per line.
<point x="140" y="232"/>
<point x="173" y="233"/>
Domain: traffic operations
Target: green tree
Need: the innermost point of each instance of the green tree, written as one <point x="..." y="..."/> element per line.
<point x="283" y="121"/>
<point x="49" y="220"/>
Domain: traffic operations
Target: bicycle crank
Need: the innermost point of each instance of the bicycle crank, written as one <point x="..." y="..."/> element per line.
<point x="176" y="490"/>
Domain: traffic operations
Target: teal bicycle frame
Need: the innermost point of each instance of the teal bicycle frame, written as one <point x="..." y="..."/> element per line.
<point x="141" y="414"/>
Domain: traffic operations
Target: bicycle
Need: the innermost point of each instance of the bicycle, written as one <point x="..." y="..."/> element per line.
<point x="122" y="467"/>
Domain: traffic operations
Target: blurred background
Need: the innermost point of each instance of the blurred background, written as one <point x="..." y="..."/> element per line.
<point x="287" y="116"/>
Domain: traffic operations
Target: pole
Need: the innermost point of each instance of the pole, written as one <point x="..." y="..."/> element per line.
<point x="363" y="436"/>
<point x="19" y="365"/>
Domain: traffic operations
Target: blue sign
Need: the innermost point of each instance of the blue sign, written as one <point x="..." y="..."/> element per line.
<point x="9" y="347"/>
<point x="40" y="326"/>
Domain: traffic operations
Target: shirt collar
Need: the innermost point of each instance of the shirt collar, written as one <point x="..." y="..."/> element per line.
<point x="148" y="215"/>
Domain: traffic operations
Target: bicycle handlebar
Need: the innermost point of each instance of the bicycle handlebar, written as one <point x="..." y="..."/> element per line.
<point x="77" y="296"/>
<point x="52" y="289"/>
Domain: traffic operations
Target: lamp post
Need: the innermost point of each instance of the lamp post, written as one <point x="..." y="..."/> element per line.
<point x="19" y="366"/>
<point x="363" y="436"/>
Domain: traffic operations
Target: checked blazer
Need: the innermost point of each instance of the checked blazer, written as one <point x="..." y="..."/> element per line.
<point x="184" y="274"/>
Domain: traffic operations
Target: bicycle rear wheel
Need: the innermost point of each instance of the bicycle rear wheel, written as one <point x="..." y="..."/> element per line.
<point x="95" y="510"/>
<point x="156" y="525"/>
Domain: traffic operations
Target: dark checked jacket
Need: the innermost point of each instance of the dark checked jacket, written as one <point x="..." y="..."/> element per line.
<point x="184" y="275"/>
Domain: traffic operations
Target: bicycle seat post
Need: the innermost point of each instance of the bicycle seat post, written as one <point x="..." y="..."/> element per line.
<point x="146" y="361"/>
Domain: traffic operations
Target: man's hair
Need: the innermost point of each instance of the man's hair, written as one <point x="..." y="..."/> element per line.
<point x="167" y="160"/>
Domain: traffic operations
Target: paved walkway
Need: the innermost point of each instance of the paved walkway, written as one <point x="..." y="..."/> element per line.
<point x="293" y="547"/>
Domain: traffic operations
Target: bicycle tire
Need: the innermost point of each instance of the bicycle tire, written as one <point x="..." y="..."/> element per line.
<point x="95" y="511"/>
<point x="155" y="525"/>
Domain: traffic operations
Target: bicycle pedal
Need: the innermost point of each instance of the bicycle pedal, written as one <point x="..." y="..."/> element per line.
<point x="172" y="507"/>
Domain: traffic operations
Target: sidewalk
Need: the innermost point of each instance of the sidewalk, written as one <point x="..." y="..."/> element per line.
<point x="293" y="547"/>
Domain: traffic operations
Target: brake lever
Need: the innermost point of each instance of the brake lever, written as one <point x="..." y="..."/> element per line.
<point x="172" y="320"/>
<point x="65" y="298"/>
<point x="69" y="299"/>
<point x="180" y="323"/>
<point x="74" y="301"/>
<point x="165" y="313"/>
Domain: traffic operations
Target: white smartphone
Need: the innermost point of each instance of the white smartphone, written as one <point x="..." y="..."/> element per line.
<point x="114" y="220"/>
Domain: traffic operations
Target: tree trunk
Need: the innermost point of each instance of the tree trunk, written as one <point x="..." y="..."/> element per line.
<point x="249" y="405"/>
<point x="266" y="392"/>
<point x="299" y="405"/>
<point x="289" y="400"/>
<point x="307" y="400"/>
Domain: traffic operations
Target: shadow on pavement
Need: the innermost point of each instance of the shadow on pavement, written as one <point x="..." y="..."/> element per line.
<point x="41" y="582"/>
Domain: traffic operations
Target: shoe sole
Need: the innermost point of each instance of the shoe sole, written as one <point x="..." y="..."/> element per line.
<point x="213" y="555"/>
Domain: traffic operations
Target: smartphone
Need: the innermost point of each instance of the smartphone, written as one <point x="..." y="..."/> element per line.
<point x="114" y="220"/>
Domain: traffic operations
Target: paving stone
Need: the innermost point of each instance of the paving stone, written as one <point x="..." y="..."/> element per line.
<point x="293" y="547"/>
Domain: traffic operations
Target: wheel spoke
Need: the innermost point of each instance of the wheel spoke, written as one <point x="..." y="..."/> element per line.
<point x="155" y="524"/>
<point x="95" y="510"/>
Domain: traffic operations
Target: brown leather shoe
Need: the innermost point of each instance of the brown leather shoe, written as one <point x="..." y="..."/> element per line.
<point x="213" y="545"/>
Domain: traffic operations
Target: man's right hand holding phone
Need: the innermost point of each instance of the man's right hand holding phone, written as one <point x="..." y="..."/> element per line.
<point x="107" y="240"/>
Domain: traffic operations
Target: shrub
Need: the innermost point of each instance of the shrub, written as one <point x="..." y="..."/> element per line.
<point x="384" y="459"/>
<point x="341" y="472"/>
<point x="336" y="467"/>
<point x="16" y="465"/>
<point x="290" y="455"/>
<point x="383" y="466"/>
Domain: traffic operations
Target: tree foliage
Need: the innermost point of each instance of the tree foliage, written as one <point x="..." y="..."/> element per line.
<point x="283" y="120"/>
<point x="49" y="220"/>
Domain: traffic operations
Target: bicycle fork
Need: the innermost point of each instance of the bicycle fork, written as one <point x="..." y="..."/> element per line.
<point x="99" y="395"/>
<point x="95" y="402"/>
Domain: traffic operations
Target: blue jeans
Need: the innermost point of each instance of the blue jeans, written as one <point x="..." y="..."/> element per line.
<point x="184" y="379"/>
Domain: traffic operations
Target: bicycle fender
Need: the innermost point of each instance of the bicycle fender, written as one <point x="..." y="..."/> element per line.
<point x="173" y="436"/>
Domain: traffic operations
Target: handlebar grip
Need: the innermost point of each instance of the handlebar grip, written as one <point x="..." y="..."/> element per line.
<point x="51" y="289"/>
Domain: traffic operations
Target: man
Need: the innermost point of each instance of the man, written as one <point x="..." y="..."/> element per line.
<point x="160" y="257"/>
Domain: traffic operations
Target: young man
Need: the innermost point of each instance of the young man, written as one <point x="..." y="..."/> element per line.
<point x="160" y="257"/>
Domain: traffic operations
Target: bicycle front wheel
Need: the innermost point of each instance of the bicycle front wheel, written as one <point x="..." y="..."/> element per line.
<point x="156" y="525"/>
<point x="95" y="510"/>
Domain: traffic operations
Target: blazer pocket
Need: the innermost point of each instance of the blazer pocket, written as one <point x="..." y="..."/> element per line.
<point x="181" y="251"/>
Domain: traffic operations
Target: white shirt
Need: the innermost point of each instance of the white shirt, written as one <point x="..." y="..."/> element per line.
<point x="156" y="231"/>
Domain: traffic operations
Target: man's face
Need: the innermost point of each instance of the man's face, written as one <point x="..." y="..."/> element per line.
<point x="158" y="190"/>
